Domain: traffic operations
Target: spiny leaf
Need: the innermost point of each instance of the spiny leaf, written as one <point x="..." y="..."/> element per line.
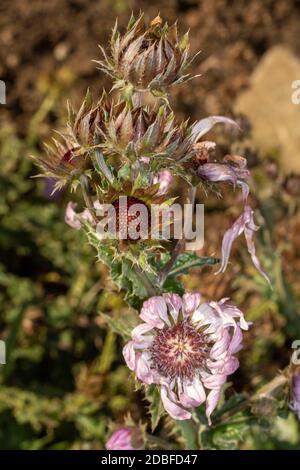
<point x="156" y="408"/>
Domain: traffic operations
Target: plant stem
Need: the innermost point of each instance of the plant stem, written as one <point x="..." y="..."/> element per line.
<point x="180" y="244"/>
<point x="87" y="199"/>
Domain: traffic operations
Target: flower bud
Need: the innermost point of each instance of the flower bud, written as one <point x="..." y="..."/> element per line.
<point x="126" y="438"/>
<point x="149" y="57"/>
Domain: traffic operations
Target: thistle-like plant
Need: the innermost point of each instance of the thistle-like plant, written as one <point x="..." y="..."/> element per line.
<point x="183" y="352"/>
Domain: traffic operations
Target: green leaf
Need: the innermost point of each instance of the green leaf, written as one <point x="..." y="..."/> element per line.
<point x="224" y="437"/>
<point x="187" y="261"/>
<point x="172" y="285"/>
<point x="122" y="326"/>
<point x="188" y="431"/>
<point x="156" y="408"/>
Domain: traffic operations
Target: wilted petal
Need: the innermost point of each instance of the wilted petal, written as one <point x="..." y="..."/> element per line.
<point x="221" y="345"/>
<point x="174" y="304"/>
<point x="236" y="342"/>
<point x="143" y="370"/>
<point x="138" y="334"/>
<point x="129" y="355"/>
<point x="205" y="125"/>
<point x="231" y="365"/>
<point x="211" y="403"/>
<point x="153" y="310"/>
<point x="195" y="391"/>
<point x="191" y="302"/>
<point x="175" y="411"/>
<point x="71" y="217"/>
<point x="244" y="224"/>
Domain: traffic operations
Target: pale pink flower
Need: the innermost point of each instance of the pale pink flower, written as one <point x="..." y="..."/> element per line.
<point x="73" y="218"/>
<point x="187" y="348"/>
<point x="124" y="439"/>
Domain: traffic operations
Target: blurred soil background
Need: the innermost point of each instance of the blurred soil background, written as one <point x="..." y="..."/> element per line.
<point x="65" y="382"/>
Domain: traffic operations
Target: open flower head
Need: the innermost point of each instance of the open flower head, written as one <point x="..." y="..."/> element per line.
<point x="187" y="348"/>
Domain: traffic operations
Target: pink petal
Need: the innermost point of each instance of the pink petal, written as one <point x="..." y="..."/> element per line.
<point x="195" y="391"/>
<point x="175" y="411"/>
<point x="211" y="403"/>
<point x="191" y="302"/>
<point x="143" y="371"/>
<point x="129" y="355"/>
<point x="153" y="310"/>
<point x="204" y="125"/>
<point x="221" y="345"/>
<point x="174" y="304"/>
<point x="71" y="217"/>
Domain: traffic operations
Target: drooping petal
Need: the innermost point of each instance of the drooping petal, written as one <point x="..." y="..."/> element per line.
<point x="138" y="334"/>
<point x="205" y="125"/>
<point x="129" y="355"/>
<point x="244" y="224"/>
<point x="211" y="403"/>
<point x="195" y="391"/>
<point x="221" y="345"/>
<point x="174" y="410"/>
<point x="143" y="369"/>
<point x="71" y="217"/>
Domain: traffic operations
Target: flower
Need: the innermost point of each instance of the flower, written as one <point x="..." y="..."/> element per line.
<point x="187" y="348"/>
<point x="125" y="438"/>
<point x="164" y="179"/>
<point x="295" y="404"/>
<point x="74" y="219"/>
<point x="234" y="170"/>
<point x="147" y="56"/>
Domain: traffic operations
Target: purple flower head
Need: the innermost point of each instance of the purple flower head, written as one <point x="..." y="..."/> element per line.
<point x="124" y="439"/>
<point x="295" y="404"/>
<point x="187" y="348"/>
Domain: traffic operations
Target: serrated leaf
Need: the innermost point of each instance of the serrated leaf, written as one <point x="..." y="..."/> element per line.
<point x="156" y="408"/>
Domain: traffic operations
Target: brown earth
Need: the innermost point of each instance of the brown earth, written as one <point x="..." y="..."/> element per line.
<point x="44" y="42"/>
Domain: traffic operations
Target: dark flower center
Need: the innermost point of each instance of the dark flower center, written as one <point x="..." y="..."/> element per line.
<point x="178" y="351"/>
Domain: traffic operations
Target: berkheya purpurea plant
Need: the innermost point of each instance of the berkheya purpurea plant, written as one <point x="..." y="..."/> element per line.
<point x="182" y="349"/>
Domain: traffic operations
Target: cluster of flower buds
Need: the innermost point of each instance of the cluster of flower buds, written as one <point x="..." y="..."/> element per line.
<point x="114" y="148"/>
